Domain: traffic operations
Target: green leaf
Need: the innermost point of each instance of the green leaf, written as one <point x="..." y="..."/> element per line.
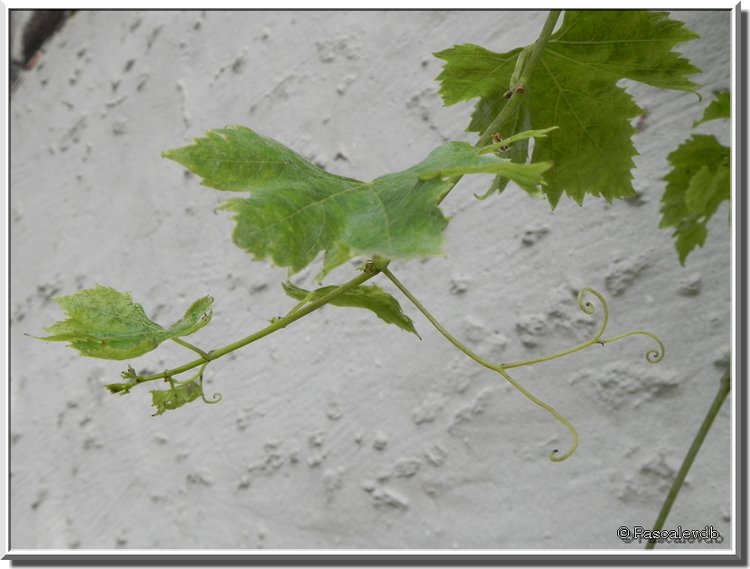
<point x="720" y="108"/>
<point x="688" y="236"/>
<point x="574" y="86"/>
<point x="105" y="323"/>
<point x="516" y="148"/>
<point x="371" y="297"/>
<point x="196" y="317"/>
<point x="297" y="210"/>
<point x="699" y="182"/>
<point x="121" y="388"/>
<point x="176" y="396"/>
<point x="704" y="187"/>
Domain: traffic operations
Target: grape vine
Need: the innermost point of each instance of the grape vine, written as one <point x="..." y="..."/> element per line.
<point x="561" y="92"/>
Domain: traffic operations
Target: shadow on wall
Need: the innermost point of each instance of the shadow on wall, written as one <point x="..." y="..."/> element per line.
<point x="34" y="27"/>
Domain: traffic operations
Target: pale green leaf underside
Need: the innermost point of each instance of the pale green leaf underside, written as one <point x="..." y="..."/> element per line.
<point x="370" y="297"/>
<point x="297" y="210"/>
<point x="719" y="108"/>
<point x="176" y="396"/>
<point x="574" y="86"/>
<point x="699" y="182"/>
<point x="105" y="323"/>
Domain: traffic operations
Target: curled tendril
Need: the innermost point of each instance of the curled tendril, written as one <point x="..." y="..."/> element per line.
<point x="554" y="455"/>
<point x="216" y="397"/>
<point x="653" y="356"/>
<point x="588" y="308"/>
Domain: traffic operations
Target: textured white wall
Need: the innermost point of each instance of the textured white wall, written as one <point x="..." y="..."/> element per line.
<point x="340" y="431"/>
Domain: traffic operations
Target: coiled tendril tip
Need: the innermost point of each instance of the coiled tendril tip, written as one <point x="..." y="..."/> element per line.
<point x="215" y="398"/>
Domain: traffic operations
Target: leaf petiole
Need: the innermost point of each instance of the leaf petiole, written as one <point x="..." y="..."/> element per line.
<point x="539" y="133"/>
<point x="192" y="347"/>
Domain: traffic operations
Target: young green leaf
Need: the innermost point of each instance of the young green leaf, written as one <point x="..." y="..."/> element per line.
<point x="371" y="297"/>
<point x="297" y="210"/>
<point x="696" y="186"/>
<point x="121" y="388"/>
<point x="105" y="323"/>
<point x="719" y="108"/>
<point x="196" y="317"/>
<point x="176" y="396"/>
<point x="574" y="86"/>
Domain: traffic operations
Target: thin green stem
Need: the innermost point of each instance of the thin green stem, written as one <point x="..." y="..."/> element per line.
<point x="190" y="346"/>
<point x="487" y="364"/>
<point x="283" y="322"/>
<point x="569" y="351"/>
<point x="515" y="101"/>
<point x="197" y="376"/>
<point x="721" y="395"/>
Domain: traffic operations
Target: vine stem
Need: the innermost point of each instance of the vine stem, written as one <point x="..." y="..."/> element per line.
<point x="295" y="314"/>
<point x="512" y="105"/>
<point x="721" y="395"/>
<point x="485" y="363"/>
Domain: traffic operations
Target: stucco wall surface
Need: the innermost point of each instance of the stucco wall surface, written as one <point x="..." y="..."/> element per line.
<point x="340" y="431"/>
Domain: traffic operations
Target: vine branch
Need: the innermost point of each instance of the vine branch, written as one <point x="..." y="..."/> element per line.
<point x="713" y="411"/>
<point x="295" y="314"/>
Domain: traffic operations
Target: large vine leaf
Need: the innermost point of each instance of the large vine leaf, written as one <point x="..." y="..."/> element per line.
<point x="297" y="210"/>
<point x="105" y="323"/>
<point x="574" y="86"/>
<point x="370" y="297"/>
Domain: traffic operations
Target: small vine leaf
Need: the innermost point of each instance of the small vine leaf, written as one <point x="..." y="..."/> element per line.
<point x="297" y="210"/>
<point x="699" y="182"/>
<point x="121" y="388"/>
<point x="720" y="108"/>
<point x="196" y="317"/>
<point x="575" y="86"/>
<point x="176" y="396"/>
<point x="371" y="297"/>
<point x="105" y="323"/>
